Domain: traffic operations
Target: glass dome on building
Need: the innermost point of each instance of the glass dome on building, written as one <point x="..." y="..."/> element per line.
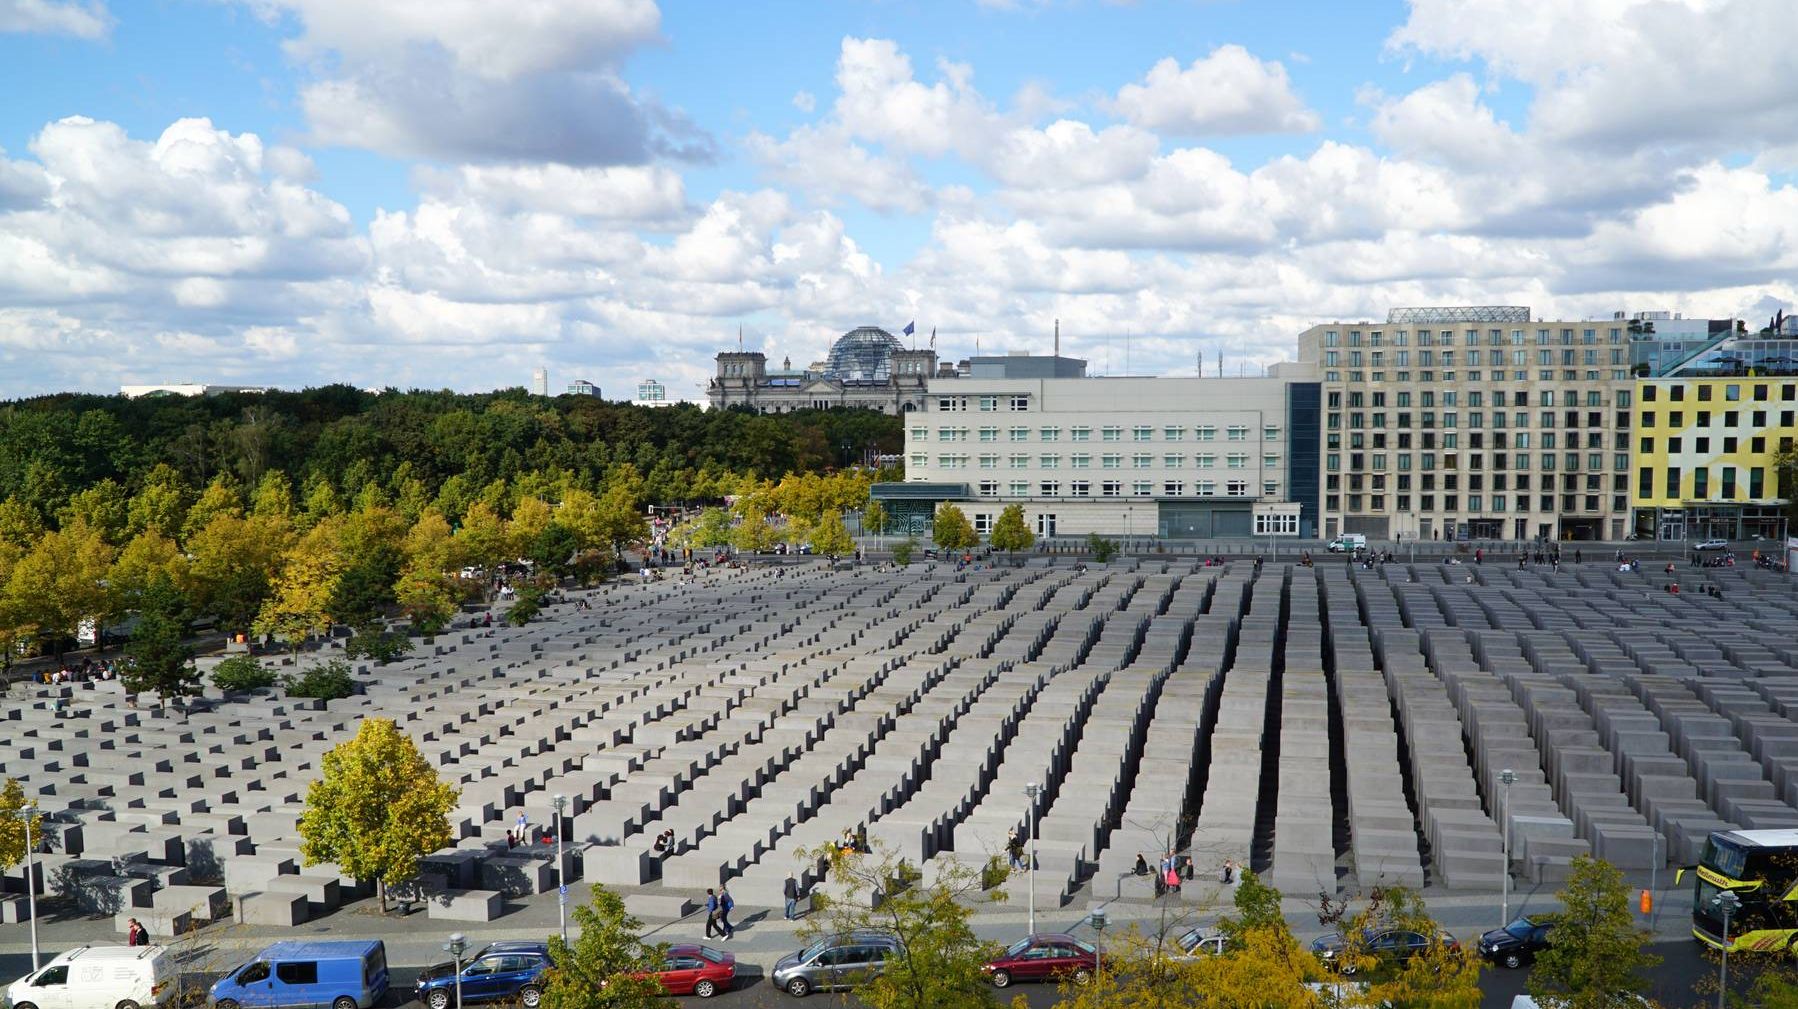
<point x="864" y="354"/>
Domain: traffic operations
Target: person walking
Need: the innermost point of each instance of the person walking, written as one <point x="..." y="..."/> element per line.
<point x="521" y="828"/>
<point x="725" y="906"/>
<point x="711" y="913"/>
<point x="136" y="934"/>
<point x="791" y="892"/>
<point x="1014" y="849"/>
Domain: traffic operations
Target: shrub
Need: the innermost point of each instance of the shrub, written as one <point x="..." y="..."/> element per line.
<point x="328" y="682"/>
<point x="242" y="672"/>
<point x="377" y="643"/>
<point x="902" y="552"/>
<point x="1102" y="549"/>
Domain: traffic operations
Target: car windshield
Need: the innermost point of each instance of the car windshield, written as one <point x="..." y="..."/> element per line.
<point x="1190" y="940"/>
<point x="815" y="948"/>
<point x="1017" y="947"/>
<point x="714" y="955"/>
<point x="1522" y="928"/>
<point x="1083" y="946"/>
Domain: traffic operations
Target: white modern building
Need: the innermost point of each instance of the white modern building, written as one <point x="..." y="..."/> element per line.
<point x="539" y="381"/>
<point x="1170" y="457"/>
<point x="651" y="393"/>
<point x="186" y="389"/>
<point x="582" y="387"/>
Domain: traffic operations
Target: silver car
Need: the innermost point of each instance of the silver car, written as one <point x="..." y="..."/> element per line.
<point x="834" y="962"/>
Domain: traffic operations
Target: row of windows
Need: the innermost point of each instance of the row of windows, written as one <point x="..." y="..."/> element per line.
<point x="1476" y="461"/>
<point x="1729" y="418"/>
<point x="1756" y="445"/>
<point x="1115" y="488"/>
<point x="985" y="404"/>
<point x="1235" y="460"/>
<point x="1732" y="392"/>
<point x="1276" y="524"/>
<point x="1474" y="398"/>
<point x="1477" y="504"/>
<point x="1471" y="337"/>
<point x="1233" y="432"/>
<point x="1591" y="483"/>
<point x="1476" y="440"/>
<point x="1672" y="480"/>
<point x="1497" y="375"/>
<point x="1475" y="419"/>
<point x="1473" y="358"/>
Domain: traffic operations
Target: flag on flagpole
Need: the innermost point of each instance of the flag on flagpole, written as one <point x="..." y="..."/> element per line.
<point x="910" y="328"/>
<point x="933" y="338"/>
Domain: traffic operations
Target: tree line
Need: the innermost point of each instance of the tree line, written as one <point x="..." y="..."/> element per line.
<point x="285" y="514"/>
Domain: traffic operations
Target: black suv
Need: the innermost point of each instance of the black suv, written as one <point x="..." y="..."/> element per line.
<point x="1386" y="944"/>
<point x="1517" y="943"/>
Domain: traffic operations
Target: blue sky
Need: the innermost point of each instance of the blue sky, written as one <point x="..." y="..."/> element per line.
<point x="448" y="193"/>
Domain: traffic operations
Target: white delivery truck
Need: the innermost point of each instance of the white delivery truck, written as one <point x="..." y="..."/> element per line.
<point x="98" y="977"/>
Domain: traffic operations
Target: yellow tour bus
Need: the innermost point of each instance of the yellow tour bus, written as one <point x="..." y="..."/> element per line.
<point x="1761" y="868"/>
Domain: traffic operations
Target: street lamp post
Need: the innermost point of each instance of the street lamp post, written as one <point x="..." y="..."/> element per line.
<point x="455" y="948"/>
<point x="1507" y="776"/>
<point x="1032" y="790"/>
<point x="560" y="802"/>
<point x="1727" y="903"/>
<point x="25" y="811"/>
<point x="1097" y="917"/>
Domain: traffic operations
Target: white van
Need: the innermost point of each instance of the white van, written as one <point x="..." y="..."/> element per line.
<point x="98" y="977"/>
<point x="1348" y="543"/>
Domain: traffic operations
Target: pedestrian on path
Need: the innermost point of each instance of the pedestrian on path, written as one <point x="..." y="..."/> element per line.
<point x="792" y="894"/>
<point x="725" y="906"/>
<point x="711" y="913"/>
<point x="522" y="828"/>
<point x="136" y="934"/>
<point x="1014" y="849"/>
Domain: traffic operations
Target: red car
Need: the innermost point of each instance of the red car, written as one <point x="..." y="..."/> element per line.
<point x="696" y="970"/>
<point x="1044" y="957"/>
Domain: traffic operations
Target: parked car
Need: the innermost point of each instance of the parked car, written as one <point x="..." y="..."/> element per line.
<point x="347" y="974"/>
<point x="1709" y="545"/>
<point x="500" y="970"/>
<point x="696" y="970"/>
<point x="1517" y="943"/>
<point x="1045" y="956"/>
<point x="1388" y="944"/>
<point x="1348" y="543"/>
<point x="98" y="977"/>
<point x="1196" y="942"/>
<point x="834" y="962"/>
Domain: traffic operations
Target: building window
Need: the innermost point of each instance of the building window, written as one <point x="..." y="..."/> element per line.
<point x="1173" y="488"/>
<point x="1020" y="404"/>
<point x="1111" y="433"/>
<point x="1080" y="461"/>
<point x="1050" y="434"/>
<point x="1205" y="461"/>
<point x="1173" y="461"/>
<point x="1236" y="460"/>
<point x="1173" y="433"/>
<point x="1081" y="434"/>
<point x="1111" y="488"/>
<point x="1239" y="432"/>
<point x="1020" y="434"/>
<point x="989" y="434"/>
<point x="1141" y="433"/>
<point x="1206" y="488"/>
<point x="989" y="462"/>
<point x="1020" y="488"/>
<point x="1049" y="461"/>
<point x="1142" y="488"/>
<point x="1051" y="488"/>
<point x="1277" y="524"/>
<point x="1271" y="432"/>
<point x="1236" y="488"/>
<point x="989" y="488"/>
<point x="1111" y="460"/>
<point x="1081" y="488"/>
<point x="1205" y="433"/>
<point x="920" y="434"/>
<point x="983" y="522"/>
<point x="1020" y="462"/>
<point x="989" y="404"/>
<point x="1270" y="488"/>
<point x="1141" y="460"/>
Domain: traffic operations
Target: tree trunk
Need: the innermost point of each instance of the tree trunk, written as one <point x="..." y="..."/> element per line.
<point x="381" y="886"/>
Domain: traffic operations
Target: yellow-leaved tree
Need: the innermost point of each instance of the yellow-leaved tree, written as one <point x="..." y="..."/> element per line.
<point x="12" y="824"/>
<point x="377" y="808"/>
<point x="299" y="605"/>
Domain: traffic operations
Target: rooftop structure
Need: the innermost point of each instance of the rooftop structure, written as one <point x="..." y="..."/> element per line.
<point x="1460" y="313"/>
<point x="864" y="354"/>
<point x="186" y="389"/>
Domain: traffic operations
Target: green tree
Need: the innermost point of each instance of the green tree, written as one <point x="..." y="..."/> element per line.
<point x="603" y="968"/>
<point x="1257" y="905"/>
<point x="830" y="537"/>
<point x="12" y="824"/>
<point x="874" y="518"/>
<point x="754" y="534"/>
<point x="712" y="529"/>
<point x="552" y="552"/>
<point x="20" y="524"/>
<point x="160" y="505"/>
<point x="298" y="606"/>
<point x="220" y="497"/>
<point x="63" y="581"/>
<point x="161" y="659"/>
<point x="105" y="506"/>
<point x="242" y="672"/>
<point x="148" y="555"/>
<point x="234" y="562"/>
<point x="481" y="541"/>
<point x="273" y="497"/>
<point x="1595" y="956"/>
<point x="1102" y="549"/>
<point x="952" y="531"/>
<point x="376" y="808"/>
<point x="902" y="552"/>
<point x="1010" y="534"/>
<point x="424" y="596"/>
<point x="940" y="957"/>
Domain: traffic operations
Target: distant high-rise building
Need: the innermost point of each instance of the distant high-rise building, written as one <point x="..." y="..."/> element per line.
<point x="582" y="387"/>
<point x="539" y="381"/>
<point x="651" y="391"/>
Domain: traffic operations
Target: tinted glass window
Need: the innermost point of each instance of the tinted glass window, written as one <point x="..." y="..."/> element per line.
<point x="303" y="972"/>
<point x="54" y="975"/>
<point x="486" y="965"/>
<point x="714" y="955"/>
<point x="254" y="972"/>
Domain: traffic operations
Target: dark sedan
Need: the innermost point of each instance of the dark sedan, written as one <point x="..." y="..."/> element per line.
<point x="1517" y="943"/>
<point x="1388" y="945"/>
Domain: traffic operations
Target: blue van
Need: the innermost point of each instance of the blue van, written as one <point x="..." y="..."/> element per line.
<point x="305" y="975"/>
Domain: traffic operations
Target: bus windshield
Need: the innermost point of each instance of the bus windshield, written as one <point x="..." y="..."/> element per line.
<point x="1725" y="859"/>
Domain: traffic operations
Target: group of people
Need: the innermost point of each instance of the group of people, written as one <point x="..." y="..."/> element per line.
<point x="718" y="906"/>
<point x="664" y="842"/>
<point x="87" y="669"/>
<point x="1175" y="869"/>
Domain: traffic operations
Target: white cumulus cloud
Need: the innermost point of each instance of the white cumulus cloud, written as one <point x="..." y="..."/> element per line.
<point x="1229" y="91"/>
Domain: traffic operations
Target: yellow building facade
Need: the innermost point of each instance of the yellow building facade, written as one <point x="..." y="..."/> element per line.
<point x="1706" y="453"/>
